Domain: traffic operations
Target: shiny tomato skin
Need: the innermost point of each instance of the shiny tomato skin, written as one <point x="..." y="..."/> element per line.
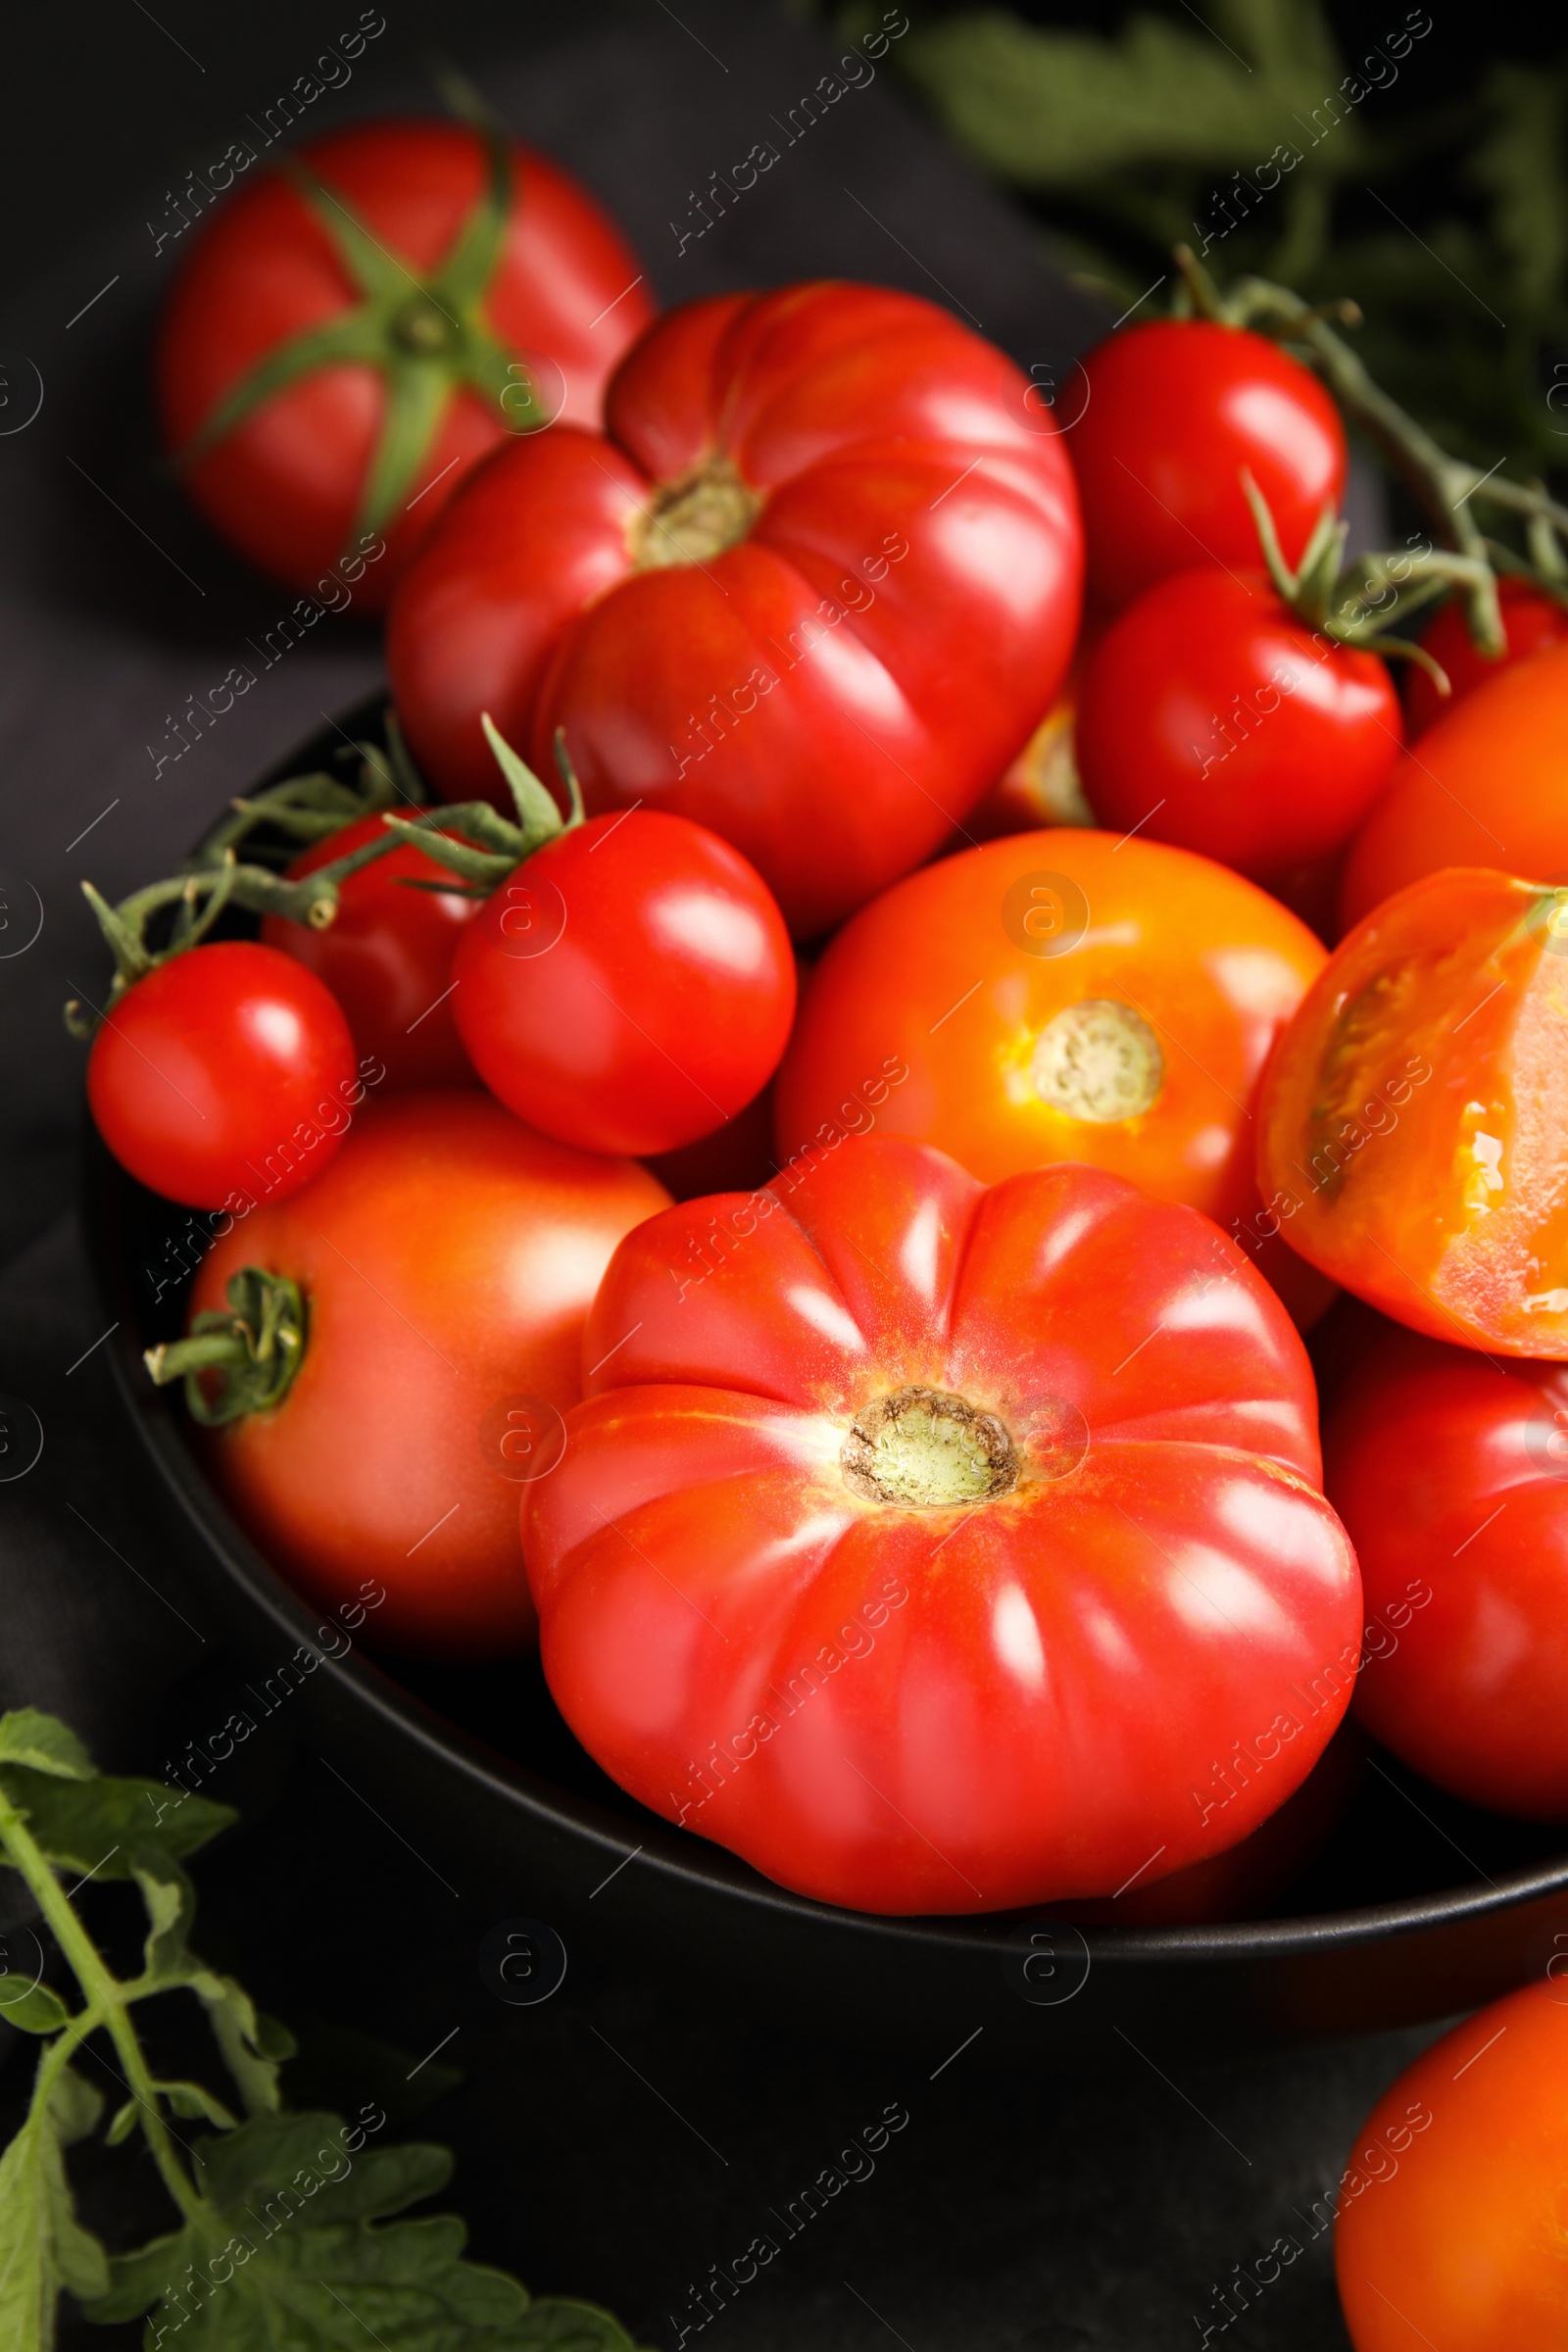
<point x="1532" y="622"/>
<point x="387" y="956"/>
<point x="226" y="1069"/>
<point x="1410" y="1135"/>
<point x="1450" y="1473"/>
<point x="927" y="1013"/>
<point x="960" y="1704"/>
<point x="1453" y="2209"/>
<point x="813" y="588"/>
<point x="1176" y="409"/>
<point x="284" y="486"/>
<point x="630" y="988"/>
<point x="448" y="1260"/>
<point x="1211" y="718"/>
<point x="1487" y="786"/>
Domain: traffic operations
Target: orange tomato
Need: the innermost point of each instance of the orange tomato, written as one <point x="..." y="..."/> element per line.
<point x="1452" y="2227"/>
<point x="1487" y="785"/>
<point x="1058" y="996"/>
<point x="1411" y="1137"/>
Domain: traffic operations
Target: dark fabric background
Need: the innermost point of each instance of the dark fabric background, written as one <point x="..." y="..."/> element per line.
<point x="615" y="2142"/>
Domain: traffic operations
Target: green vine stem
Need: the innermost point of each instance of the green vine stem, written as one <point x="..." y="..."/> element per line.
<point x="495" y="847"/>
<point x="255" y="1346"/>
<point x="1446" y="489"/>
<point x="106" y="2003"/>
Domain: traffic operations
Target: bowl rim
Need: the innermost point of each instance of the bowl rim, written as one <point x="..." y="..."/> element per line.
<point x="681" y="1859"/>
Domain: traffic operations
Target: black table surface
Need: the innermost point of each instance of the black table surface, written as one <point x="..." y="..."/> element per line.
<point x="619" y="2140"/>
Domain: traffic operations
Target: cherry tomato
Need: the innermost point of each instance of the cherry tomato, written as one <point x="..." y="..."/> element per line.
<point x="903" y="1547"/>
<point x="1176" y="410"/>
<point x="813" y="589"/>
<point x="1061" y="995"/>
<point x="288" y="483"/>
<point x="1487" y="785"/>
<point x="227" y="1071"/>
<point x="1451" y="2208"/>
<point x="1210" y="716"/>
<point x="387" y="958"/>
<point x="1532" y="622"/>
<point x="630" y="988"/>
<point x="1410" y="1133"/>
<point x="447" y="1261"/>
<point x="1450" y="1472"/>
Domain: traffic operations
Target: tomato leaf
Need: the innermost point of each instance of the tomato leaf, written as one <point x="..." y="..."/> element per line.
<point x="44" y="1745"/>
<point x="43" y="2247"/>
<point x="288" y="2250"/>
<point x="30" y="2007"/>
<point x="99" y="1825"/>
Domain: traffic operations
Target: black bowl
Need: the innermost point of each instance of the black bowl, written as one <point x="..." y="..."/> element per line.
<point x="1419" y="1907"/>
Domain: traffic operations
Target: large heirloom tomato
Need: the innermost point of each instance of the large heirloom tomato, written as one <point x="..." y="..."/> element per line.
<point x="1450" y="1472"/>
<point x="1176" y="410"/>
<point x="1411" y="1131"/>
<point x="813" y="589"/>
<point x="945" y="1549"/>
<point x="1487" y="785"/>
<point x="444" y="1266"/>
<point x="1452" y="2227"/>
<point x="1059" y="996"/>
<point x="345" y="342"/>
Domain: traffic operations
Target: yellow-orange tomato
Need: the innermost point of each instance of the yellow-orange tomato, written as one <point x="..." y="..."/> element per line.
<point x="1452" y="2227"/>
<point x="1413" y="1137"/>
<point x="1487" y="785"/>
<point x="1058" y="996"/>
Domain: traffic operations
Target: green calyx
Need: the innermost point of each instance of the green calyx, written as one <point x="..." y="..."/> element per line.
<point x="255" y="1346"/>
<point x="179" y="914"/>
<point x="424" y="335"/>
<point x="1360" y="605"/>
<point x="494" y="847"/>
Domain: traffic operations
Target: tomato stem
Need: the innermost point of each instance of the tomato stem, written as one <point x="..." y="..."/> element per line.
<point x="495" y="847"/>
<point x="255" y="1346"/>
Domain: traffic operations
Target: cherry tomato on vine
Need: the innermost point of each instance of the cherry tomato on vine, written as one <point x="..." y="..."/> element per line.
<point x="630" y="988"/>
<point x="1210" y="716"/>
<point x="387" y="956"/>
<point x="1058" y="996"/>
<point x="1487" y="785"/>
<point x="335" y="362"/>
<point x="1410" y="1133"/>
<point x="444" y="1266"/>
<point x="1450" y="1473"/>
<point x="930" y="1546"/>
<point x="1176" y="410"/>
<point x="1532" y="622"/>
<point x="812" y="587"/>
<point x="227" y="1070"/>
<point x="1450" y="2210"/>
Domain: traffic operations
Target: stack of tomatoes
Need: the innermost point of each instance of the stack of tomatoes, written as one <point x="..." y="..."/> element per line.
<point x="927" y="1502"/>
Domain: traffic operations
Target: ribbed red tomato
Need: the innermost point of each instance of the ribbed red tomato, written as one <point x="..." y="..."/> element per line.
<point x="532" y="332"/>
<point x="1532" y="622"/>
<point x="1210" y="716"/>
<point x="813" y="588"/>
<point x="1176" y="410"/>
<point x="945" y="1549"/>
<point x="387" y="955"/>
<point x="1450" y="1472"/>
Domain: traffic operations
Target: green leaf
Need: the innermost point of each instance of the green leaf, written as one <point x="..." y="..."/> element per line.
<point x="43" y="2247"/>
<point x="356" y="338"/>
<point x="418" y="392"/>
<point x="98" y="1824"/>
<point x="44" y="1745"/>
<point x="537" y="812"/>
<point x="254" y="2047"/>
<point x="195" y="2100"/>
<point x="294" y="2249"/>
<point x="556" y="2323"/>
<point x="32" y="2008"/>
<point x="171" y="1901"/>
